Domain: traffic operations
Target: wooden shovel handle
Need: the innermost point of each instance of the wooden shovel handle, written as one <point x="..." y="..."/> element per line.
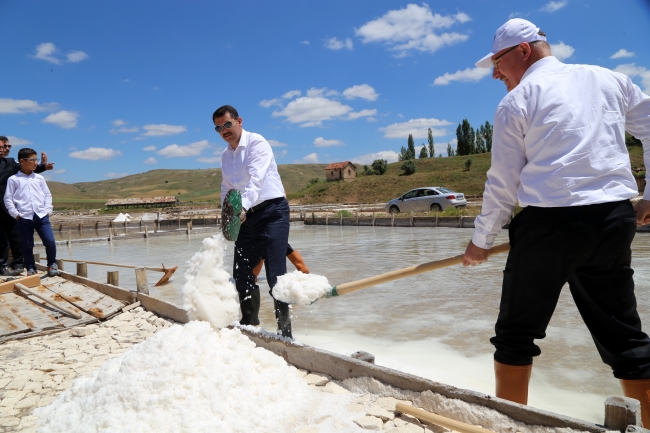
<point x="345" y="288"/>
<point x="440" y="420"/>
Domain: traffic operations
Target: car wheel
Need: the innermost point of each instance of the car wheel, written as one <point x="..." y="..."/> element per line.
<point x="435" y="207"/>
<point x="394" y="209"/>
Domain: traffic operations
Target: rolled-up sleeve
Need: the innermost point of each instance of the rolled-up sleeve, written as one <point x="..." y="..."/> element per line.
<point x="500" y="195"/>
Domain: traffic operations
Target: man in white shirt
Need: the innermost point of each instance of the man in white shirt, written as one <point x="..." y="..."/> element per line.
<point x="248" y="165"/>
<point x="559" y="151"/>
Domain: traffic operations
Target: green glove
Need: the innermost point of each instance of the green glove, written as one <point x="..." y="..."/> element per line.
<point x="230" y="221"/>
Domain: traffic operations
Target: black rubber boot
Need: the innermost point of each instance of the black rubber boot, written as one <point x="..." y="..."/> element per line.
<point x="283" y="317"/>
<point x="250" y="307"/>
<point x="8" y="272"/>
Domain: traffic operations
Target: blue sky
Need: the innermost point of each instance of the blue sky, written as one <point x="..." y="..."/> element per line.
<point x="110" y="88"/>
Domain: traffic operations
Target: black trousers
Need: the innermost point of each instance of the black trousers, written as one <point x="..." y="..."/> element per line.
<point x="264" y="234"/>
<point x="588" y="247"/>
<point x="9" y="238"/>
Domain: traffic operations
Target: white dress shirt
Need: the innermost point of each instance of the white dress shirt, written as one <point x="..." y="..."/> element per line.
<point x="251" y="169"/>
<point x="559" y="140"/>
<point x="28" y="195"/>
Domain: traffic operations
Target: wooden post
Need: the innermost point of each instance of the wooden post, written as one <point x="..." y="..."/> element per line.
<point x="313" y="218"/>
<point x="82" y="270"/>
<point x="373" y="219"/>
<point x="110" y="235"/>
<point x="189" y="228"/>
<point x="140" y="223"/>
<point x="327" y="219"/>
<point x="141" y="281"/>
<point x="357" y="218"/>
<point x="460" y="221"/>
<point x="37" y="258"/>
<point x="96" y="225"/>
<point x="436" y="218"/>
<point x="60" y="227"/>
<point x="411" y="217"/>
<point x="69" y="237"/>
<point x="113" y="277"/>
<point x="179" y="222"/>
<point x="191" y="224"/>
<point x="392" y="219"/>
<point x="146" y="231"/>
<point x="621" y="412"/>
<point x="59" y="264"/>
<point x="341" y="219"/>
<point x="81" y="227"/>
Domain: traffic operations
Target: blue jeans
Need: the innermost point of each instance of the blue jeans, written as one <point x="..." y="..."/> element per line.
<point x="42" y="226"/>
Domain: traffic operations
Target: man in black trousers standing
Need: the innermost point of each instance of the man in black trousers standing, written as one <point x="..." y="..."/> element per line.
<point x="8" y="227"/>
<point x="248" y="166"/>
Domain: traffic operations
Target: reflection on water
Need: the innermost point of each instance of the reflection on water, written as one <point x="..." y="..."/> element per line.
<point x="434" y="325"/>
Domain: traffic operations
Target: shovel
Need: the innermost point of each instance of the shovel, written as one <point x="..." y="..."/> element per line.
<point x="345" y="288"/>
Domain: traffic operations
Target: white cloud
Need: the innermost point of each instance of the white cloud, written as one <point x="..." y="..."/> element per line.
<point x="291" y="93"/>
<point x="17" y="141"/>
<point x="622" y="53"/>
<point x="632" y="70"/>
<point x="312" y="111"/>
<point x="562" y="51"/>
<point x="362" y="91"/>
<point x="158" y="130"/>
<point x="312" y="158"/>
<point x="413" y="29"/>
<point x="192" y="149"/>
<point x="321" y="142"/>
<point x="276" y="143"/>
<point x="118" y="122"/>
<point x="362" y="113"/>
<point x="95" y="154"/>
<point x="59" y="171"/>
<point x="45" y="50"/>
<point x="554" y="6"/>
<point x="149" y="148"/>
<point x="282" y="154"/>
<point x="469" y="74"/>
<point x="417" y="127"/>
<point x="335" y="44"/>
<point x="115" y="175"/>
<point x="314" y="92"/>
<point x="518" y="15"/>
<point x="76" y="56"/>
<point x="305" y="42"/>
<point x="388" y="155"/>
<point x="266" y="103"/>
<point x="63" y="119"/>
<point x="22" y="106"/>
<point x="150" y="160"/>
<point x="209" y="159"/>
<point x="120" y="126"/>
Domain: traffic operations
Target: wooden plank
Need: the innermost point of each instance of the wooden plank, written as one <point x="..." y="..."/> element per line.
<point x="31" y="281"/>
<point x="29" y="313"/>
<point x="86" y="299"/>
<point x="58" y="315"/>
<point x="9" y="323"/>
<point x="163" y="308"/>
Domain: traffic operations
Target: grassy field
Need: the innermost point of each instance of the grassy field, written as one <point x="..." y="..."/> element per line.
<point x="203" y="186"/>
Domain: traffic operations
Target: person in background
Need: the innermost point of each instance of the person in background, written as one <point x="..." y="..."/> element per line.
<point x="559" y="151"/>
<point x="9" y="238"/>
<point x="293" y="256"/>
<point x="248" y="166"/>
<point x="28" y="200"/>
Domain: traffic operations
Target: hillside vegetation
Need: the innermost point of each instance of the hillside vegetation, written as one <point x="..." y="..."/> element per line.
<point x="192" y="186"/>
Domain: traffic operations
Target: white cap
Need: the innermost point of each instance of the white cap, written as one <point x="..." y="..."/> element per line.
<point x="512" y="33"/>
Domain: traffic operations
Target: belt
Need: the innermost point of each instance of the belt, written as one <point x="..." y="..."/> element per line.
<point x="265" y="203"/>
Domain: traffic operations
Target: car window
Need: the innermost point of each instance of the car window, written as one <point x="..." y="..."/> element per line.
<point x="431" y="192"/>
<point x="410" y="194"/>
<point x="421" y="193"/>
<point x="444" y="190"/>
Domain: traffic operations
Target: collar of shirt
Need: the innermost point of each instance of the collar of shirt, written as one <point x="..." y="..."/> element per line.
<point x="243" y="141"/>
<point x="21" y="174"/>
<point x="541" y="63"/>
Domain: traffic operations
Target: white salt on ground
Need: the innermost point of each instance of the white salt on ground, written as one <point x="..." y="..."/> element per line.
<point x="302" y="289"/>
<point x="193" y="378"/>
<point x="208" y="293"/>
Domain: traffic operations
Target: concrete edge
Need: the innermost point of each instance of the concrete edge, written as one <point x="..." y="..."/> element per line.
<point x="114" y="292"/>
<point x="342" y="367"/>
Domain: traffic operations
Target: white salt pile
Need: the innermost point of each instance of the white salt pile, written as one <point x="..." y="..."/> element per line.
<point x="302" y="289"/>
<point x="208" y="293"/>
<point x="194" y="379"/>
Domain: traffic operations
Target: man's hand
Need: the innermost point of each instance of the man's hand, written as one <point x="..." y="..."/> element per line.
<point x="49" y="166"/>
<point x="642" y="208"/>
<point x="17" y="217"/>
<point x="475" y="255"/>
<point x="242" y="215"/>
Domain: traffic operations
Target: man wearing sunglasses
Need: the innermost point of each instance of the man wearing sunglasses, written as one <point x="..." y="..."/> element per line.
<point x="559" y="152"/>
<point x="8" y="227"/>
<point x="248" y="165"/>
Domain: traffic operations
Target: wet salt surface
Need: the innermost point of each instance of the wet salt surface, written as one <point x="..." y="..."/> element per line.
<point x="435" y="325"/>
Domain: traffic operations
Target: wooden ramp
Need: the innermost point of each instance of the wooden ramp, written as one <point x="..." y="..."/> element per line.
<point x="23" y="315"/>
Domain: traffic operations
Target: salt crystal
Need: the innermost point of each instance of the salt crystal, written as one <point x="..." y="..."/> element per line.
<point x="302" y="289"/>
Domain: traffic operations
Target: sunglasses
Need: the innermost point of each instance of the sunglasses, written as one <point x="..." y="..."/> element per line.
<point x="8" y="146"/>
<point x="495" y="62"/>
<point x="226" y="125"/>
<point x="30" y="159"/>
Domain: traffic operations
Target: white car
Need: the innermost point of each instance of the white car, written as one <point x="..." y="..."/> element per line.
<point x="425" y="199"/>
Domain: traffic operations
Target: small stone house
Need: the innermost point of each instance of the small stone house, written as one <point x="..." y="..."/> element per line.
<point x="340" y="171"/>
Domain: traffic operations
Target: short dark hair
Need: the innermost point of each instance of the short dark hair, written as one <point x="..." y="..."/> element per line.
<point x="221" y="111"/>
<point x="25" y="153"/>
<point x="3" y="139"/>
